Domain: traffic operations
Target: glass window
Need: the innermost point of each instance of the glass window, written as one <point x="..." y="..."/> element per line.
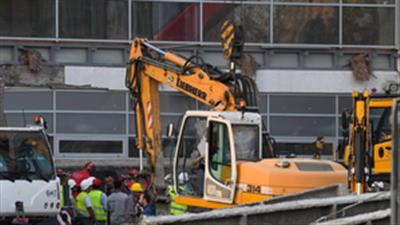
<point x="191" y="154"/>
<point x="32" y="100"/>
<point x="71" y="55"/>
<point x="215" y="58"/>
<point x="166" y="21"/>
<point x="305" y="24"/>
<point x="32" y="18"/>
<point x="302" y="126"/>
<point x="315" y="60"/>
<point x="381" y="124"/>
<point x="382" y="62"/>
<point x="23" y="119"/>
<point x="368" y="26"/>
<point x="247" y="142"/>
<point x="302" y="149"/>
<point x="133" y="151"/>
<point x="284" y="60"/>
<point x="253" y="18"/>
<point x="91" y="123"/>
<point x="165" y="120"/>
<point x="6" y="54"/>
<point x="132" y="123"/>
<point x="107" y="100"/>
<point x="177" y="103"/>
<point x="263" y="103"/>
<point x="345" y="103"/>
<point x="309" y="1"/>
<point x="302" y="104"/>
<point x="98" y="146"/>
<point x="25" y="155"/>
<point x="99" y="19"/>
<point x="370" y="1"/>
<point x="219" y="153"/>
<point x="108" y="56"/>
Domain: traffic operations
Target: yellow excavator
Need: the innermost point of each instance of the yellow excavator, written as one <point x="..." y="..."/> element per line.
<point x="367" y="141"/>
<point x="220" y="150"/>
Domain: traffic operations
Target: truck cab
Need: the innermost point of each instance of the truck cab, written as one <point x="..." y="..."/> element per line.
<point x="29" y="190"/>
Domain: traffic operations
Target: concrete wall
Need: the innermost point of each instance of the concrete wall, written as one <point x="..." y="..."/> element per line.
<point x="284" y="81"/>
<point x="19" y="75"/>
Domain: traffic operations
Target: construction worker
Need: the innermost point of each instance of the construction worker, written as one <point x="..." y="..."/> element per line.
<point x="147" y="205"/>
<point x="137" y="190"/>
<point x="82" y="211"/>
<point x="65" y="215"/>
<point x="99" y="202"/>
<point x="86" y="172"/>
<point x="120" y="206"/>
<point x="318" y="147"/>
<point x="175" y="208"/>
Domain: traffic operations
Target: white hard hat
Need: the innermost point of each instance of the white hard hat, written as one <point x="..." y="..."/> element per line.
<point x="71" y="183"/>
<point x="86" y="183"/>
<point x="91" y="179"/>
<point x="183" y="177"/>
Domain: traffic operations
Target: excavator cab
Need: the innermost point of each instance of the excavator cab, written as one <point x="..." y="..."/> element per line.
<point x="208" y="146"/>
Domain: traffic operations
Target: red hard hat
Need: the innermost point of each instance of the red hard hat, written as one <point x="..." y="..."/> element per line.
<point x="132" y="172"/>
<point x="97" y="182"/>
<point x="90" y="165"/>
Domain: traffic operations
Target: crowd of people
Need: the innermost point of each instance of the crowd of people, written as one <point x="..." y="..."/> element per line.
<point x="87" y="199"/>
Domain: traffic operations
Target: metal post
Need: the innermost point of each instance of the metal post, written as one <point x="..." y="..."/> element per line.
<point x="130" y="20"/>
<point x="201" y="22"/>
<point x="271" y="23"/>
<point x="140" y="159"/>
<point x="340" y="23"/>
<point x="397" y="26"/>
<point x="395" y="181"/>
<point x="57" y="19"/>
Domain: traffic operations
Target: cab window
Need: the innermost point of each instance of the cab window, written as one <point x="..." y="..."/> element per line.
<point x="219" y="154"/>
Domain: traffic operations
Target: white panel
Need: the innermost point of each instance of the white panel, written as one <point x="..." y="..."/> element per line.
<point x="101" y="77"/>
<point x="280" y="81"/>
<point x="319" y="81"/>
<point x="6" y="54"/>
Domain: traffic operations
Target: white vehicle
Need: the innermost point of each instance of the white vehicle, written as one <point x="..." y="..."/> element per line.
<point x="29" y="190"/>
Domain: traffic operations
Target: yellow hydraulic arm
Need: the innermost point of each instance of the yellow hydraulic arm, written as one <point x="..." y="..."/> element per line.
<point x="148" y="67"/>
<point x="367" y="145"/>
<point x="360" y="141"/>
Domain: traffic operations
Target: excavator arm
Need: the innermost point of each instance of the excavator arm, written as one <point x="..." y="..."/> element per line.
<point x="149" y="66"/>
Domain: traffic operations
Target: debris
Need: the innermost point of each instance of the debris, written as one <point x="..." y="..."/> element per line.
<point x="361" y="67"/>
<point x="247" y="65"/>
<point x="32" y="59"/>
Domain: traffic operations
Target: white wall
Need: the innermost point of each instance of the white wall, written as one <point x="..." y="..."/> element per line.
<point x="319" y="81"/>
<point x="285" y="81"/>
<point x="103" y="77"/>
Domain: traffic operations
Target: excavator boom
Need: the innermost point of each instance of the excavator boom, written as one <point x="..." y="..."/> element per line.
<point x="149" y="66"/>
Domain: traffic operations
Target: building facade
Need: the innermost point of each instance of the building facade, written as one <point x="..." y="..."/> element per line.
<point x="302" y="50"/>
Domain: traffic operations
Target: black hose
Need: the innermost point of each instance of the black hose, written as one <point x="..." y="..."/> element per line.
<point x="360" y="154"/>
<point x="186" y="66"/>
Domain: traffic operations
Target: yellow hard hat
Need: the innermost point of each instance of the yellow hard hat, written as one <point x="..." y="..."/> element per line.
<point x="137" y="187"/>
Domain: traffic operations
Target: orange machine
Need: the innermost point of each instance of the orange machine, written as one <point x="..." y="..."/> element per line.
<point x="220" y="150"/>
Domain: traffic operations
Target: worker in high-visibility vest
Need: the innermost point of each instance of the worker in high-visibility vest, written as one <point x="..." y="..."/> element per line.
<point x="99" y="202"/>
<point x="175" y="208"/>
<point x="65" y="215"/>
<point x="83" y="207"/>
